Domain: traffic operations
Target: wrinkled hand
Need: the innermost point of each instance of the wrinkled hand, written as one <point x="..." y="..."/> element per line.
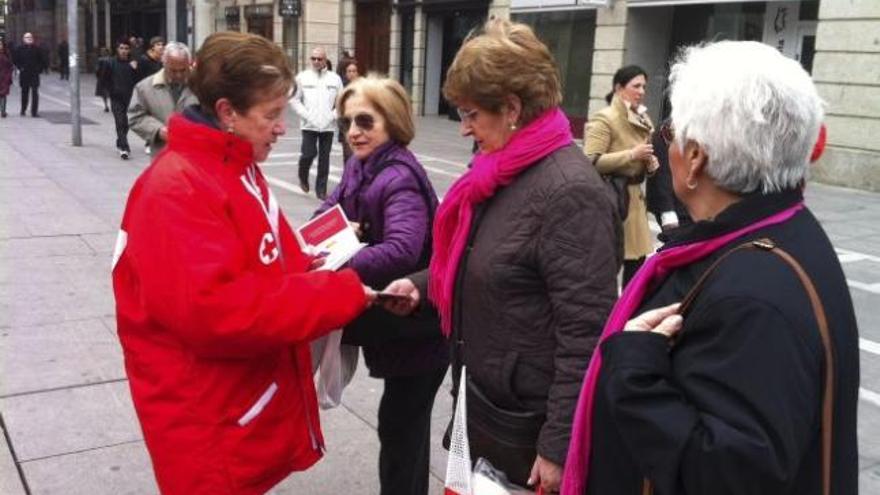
<point x="370" y="294"/>
<point x="665" y="320"/>
<point x="403" y="287"/>
<point x="641" y="151"/>
<point x="547" y="474"/>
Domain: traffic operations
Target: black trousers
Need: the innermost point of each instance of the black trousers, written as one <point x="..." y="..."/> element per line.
<point x="3" y="105"/>
<point x="630" y="267"/>
<point x="405" y="432"/>
<point x="35" y="99"/>
<point x="316" y="144"/>
<point x="119" y="107"/>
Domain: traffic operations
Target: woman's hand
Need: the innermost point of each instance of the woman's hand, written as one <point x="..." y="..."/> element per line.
<point x="370" y="295"/>
<point x="358" y="229"/>
<point x="665" y="320"/>
<point x="653" y="165"/>
<point x="402" y="287"/>
<point x="641" y="151"/>
<point x="547" y="473"/>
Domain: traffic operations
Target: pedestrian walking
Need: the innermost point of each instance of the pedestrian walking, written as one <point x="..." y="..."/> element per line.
<point x="159" y="96"/>
<point x="315" y="103"/>
<point x="751" y="385"/>
<point x="63" y="62"/>
<point x="119" y="79"/>
<point x="31" y="61"/>
<point x="348" y="67"/>
<point x="386" y="191"/>
<point x="151" y="61"/>
<point x="101" y="69"/>
<point x="524" y="266"/>
<point x="6" y="69"/>
<point x="618" y="140"/>
<point x="215" y="302"/>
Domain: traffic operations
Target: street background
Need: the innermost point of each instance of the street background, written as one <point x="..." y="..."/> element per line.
<point x="65" y="409"/>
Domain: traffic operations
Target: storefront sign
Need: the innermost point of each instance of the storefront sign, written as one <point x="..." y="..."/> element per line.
<point x="258" y="10"/>
<point x="780" y="26"/>
<point x="557" y="4"/>
<point x="289" y="8"/>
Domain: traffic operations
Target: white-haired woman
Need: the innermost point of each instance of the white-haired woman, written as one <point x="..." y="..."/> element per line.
<point x="736" y="402"/>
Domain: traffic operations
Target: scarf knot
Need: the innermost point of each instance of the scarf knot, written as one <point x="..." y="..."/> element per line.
<point x="546" y="134"/>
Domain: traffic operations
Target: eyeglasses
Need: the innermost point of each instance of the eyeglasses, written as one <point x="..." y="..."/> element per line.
<point x="317" y="59"/>
<point x="467" y="116"/>
<point x="363" y="121"/>
<point x="667" y="132"/>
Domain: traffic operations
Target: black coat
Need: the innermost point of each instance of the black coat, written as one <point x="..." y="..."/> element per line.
<point x="31" y="60"/>
<point x="659" y="194"/>
<point x="146" y="67"/>
<point x="534" y="286"/>
<point x="734" y="406"/>
<point x="119" y="79"/>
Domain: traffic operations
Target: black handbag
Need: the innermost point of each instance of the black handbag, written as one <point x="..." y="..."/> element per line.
<point x="508" y="439"/>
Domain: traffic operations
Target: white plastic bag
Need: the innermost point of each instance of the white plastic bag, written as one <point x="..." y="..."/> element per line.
<point x="458" y="463"/>
<point x="335" y="364"/>
<point x="488" y="480"/>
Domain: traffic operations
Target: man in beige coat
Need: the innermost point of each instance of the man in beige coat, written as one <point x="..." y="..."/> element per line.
<point x="160" y="95"/>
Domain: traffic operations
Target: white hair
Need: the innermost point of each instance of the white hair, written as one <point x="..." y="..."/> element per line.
<point x="755" y="112"/>
<point x="175" y="49"/>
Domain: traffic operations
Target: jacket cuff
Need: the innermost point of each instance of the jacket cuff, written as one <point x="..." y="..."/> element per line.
<point x="642" y="350"/>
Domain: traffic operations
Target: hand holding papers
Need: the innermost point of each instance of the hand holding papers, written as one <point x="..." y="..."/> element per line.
<point x="330" y="233"/>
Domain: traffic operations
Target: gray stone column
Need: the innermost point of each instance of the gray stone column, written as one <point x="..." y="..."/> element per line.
<point x="846" y="70"/>
<point x="608" y="52"/>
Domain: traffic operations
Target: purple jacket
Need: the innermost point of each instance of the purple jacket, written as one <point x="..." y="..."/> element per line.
<point x="392" y="198"/>
<point x="385" y="195"/>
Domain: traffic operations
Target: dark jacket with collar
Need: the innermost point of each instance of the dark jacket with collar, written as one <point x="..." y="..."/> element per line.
<point x="534" y="286"/>
<point x="734" y="406"/>
<point x="390" y="195"/>
<point x="31" y="60"/>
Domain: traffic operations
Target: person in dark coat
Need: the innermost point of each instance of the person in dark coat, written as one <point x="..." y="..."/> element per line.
<point x="6" y="69"/>
<point x="63" y="62"/>
<point x="31" y="61"/>
<point x="151" y="61"/>
<point x="103" y="66"/>
<point x="669" y="212"/>
<point x="725" y="395"/>
<point x="526" y="250"/>
<point x="385" y="190"/>
<point x="119" y="79"/>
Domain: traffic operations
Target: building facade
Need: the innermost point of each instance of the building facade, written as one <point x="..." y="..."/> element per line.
<point x="837" y="41"/>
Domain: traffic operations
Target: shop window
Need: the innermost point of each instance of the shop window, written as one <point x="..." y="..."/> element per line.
<point x="569" y="35"/>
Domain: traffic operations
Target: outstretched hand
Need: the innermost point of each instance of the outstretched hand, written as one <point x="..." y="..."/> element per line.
<point x="402" y="306"/>
<point x="665" y="320"/>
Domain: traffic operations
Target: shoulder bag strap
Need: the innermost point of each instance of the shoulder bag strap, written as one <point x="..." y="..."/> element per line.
<point x="824" y="333"/>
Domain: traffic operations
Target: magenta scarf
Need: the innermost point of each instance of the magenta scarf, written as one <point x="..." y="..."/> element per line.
<point x="543" y="136"/>
<point x="655" y="270"/>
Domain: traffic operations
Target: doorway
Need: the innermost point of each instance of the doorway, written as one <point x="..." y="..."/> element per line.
<point x="372" y="42"/>
<point x="456" y="25"/>
<point x="261" y="26"/>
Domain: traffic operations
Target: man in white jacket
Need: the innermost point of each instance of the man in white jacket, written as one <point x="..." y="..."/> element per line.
<point x="315" y="103"/>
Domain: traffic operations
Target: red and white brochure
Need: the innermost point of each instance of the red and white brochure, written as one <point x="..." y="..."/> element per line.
<point x="329" y="233"/>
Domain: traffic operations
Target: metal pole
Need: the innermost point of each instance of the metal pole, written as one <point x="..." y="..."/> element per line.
<point x="73" y="63"/>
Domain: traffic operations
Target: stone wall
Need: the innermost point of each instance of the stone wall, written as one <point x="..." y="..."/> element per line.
<point x="846" y="70"/>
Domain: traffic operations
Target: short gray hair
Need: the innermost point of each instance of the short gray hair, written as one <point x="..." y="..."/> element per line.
<point x="175" y="49"/>
<point x="755" y="112"/>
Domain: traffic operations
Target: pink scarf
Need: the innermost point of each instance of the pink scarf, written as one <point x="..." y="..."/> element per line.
<point x="543" y="136"/>
<point x="657" y="268"/>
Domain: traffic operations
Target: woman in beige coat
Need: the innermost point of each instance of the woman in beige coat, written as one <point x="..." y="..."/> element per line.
<point x="618" y="141"/>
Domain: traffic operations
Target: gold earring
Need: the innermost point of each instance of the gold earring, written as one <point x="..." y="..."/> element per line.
<point x="512" y="127"/>
<point x="691" y="185"/>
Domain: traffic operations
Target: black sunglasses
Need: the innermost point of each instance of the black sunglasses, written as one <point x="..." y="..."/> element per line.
<point x="667" y="132"/>
<point x="363" y="121"/>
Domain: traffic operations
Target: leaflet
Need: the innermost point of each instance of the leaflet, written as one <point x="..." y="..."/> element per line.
<point x="329" y="233"/>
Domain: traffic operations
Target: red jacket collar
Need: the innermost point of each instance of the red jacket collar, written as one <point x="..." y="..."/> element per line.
<point x="187" y="137"/>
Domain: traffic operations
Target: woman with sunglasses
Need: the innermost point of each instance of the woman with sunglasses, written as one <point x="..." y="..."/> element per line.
<point x="751" y="385"/>
<point x="618" y="141"/>
<point x="385" y="190"/>
<point x="215" y="302"/>
<point x="525" y="256"/>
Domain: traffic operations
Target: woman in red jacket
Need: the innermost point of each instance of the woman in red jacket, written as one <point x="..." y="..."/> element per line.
<point x="215" y="301"/>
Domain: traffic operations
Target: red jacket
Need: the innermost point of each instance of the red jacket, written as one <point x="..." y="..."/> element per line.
<point x="215" y="319"/>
